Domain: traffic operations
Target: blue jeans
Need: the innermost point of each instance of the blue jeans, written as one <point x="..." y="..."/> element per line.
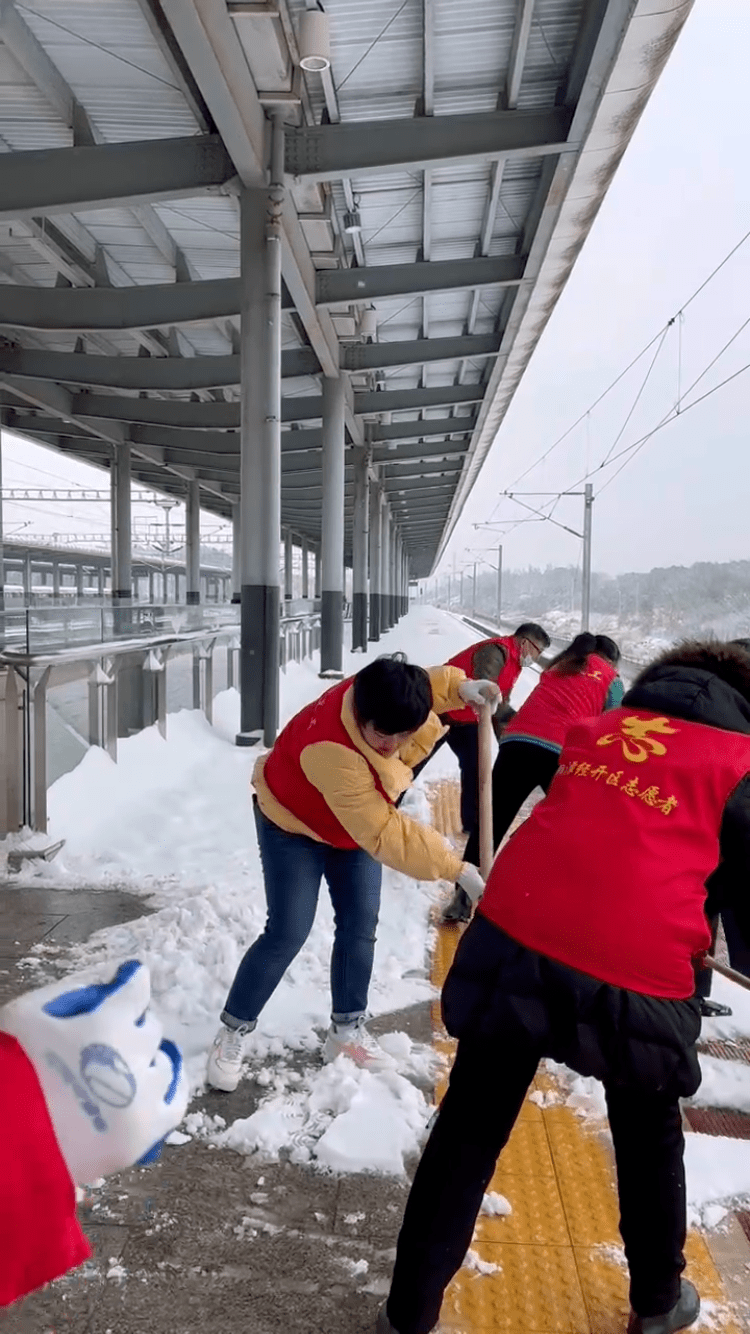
<point x="293" y="867"/>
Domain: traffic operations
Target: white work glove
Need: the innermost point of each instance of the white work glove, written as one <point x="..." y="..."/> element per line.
<point x="471" y="882"/>
<point x="477" y="693"/>
<point x="113" y="1088"/>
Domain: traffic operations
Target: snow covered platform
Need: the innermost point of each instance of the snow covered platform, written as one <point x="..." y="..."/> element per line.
<point x="277" y="1208"/>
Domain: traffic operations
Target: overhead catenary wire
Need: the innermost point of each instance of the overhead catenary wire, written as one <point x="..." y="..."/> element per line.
<point x="657" y="336"/>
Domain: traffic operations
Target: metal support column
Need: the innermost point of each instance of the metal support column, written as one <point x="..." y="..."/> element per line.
<point x="305" y="569"/>
<point x="260" y="451"/>
<point x="192" y="545"/>
<point x="288" y="566"/>
<point x="121" y="527"/>
<point x="588" y="501"/>
<point x="395" y="540"/>
<point x="499" y="583"/>
<point x="332" y="527"/>
<point x="2" y="556"/>
<point x="55" y="579"/>
<point x="373" y="633"/>
<point x="474" y="591"/>
<point x="317" y="576"/>
<point x="359" y="549"/>
<point x="385" y="568"/>
<point x="236" y="552"/>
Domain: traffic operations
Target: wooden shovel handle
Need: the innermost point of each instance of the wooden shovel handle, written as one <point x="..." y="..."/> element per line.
<point x="731" y="973"/>
<point x="486" y="841"/>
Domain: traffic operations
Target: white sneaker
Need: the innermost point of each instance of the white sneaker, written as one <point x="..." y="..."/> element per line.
<point x="354" y="1041"/>
<point x="225" y="1059"/>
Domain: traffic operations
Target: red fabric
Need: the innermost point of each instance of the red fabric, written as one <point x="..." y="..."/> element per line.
<point x="40" y="1237"/>
<point x="608" y="873"/>
<point x="506" y="680"/>
<point x="558" y="701"/>
<point x="320" y="721"/>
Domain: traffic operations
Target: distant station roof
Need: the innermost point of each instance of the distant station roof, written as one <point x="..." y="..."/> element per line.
<point x="443" y="170"/>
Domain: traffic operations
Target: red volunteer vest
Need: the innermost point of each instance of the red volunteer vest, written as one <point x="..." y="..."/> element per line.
<point x="283" y="773"/>
<point x="608" y="873"/>
<point x="558" y="701"/>
<point x="506" y="680"/>
<point x="40" y="1237"/>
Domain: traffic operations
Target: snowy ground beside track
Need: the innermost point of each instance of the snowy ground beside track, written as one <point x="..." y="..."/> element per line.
<point x="172" y="820"/>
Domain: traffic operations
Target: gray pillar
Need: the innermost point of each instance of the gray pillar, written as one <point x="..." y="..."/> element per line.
<point x="332" y="527"/>
<point x="317" y="575"/>
<point x="288" y="566"/>
<point x="26" y="578"/>
<point x="385" y="568"/>
<point x="121" y="536"/>
<point x="260" y="452"/>
<point x="100" y="581"/>
<point x="586" y="571"/>
<point x="236" y="552"/>
<point x="55" y="578"/>
<point x="359" y="549"/>
<point x="393" y="568"/>
<point x="80" y="581"/>
<point x="374" y="562"/>
<point x="2" y="555"/>
<point x="305" y="570"/>
<point x="192" y="545"/>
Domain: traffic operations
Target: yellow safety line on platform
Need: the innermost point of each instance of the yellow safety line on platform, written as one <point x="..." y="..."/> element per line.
<point x="558" y="1255"/>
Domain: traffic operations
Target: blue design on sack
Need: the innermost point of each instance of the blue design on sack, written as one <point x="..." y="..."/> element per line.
<point x="92" y="1110"/>
<point x="107" y="1075"/>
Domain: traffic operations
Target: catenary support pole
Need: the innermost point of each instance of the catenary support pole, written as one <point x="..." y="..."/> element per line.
<point x="260" y="451"/>
<point x="499" y="611"/>
<point x="588" y="501"/>
<point x="332" y="527"/>
<point x="193" y="545"/>
<point x="359" y="549"/>
<point x="373" y="631"/>
<point x="474" y="591"/>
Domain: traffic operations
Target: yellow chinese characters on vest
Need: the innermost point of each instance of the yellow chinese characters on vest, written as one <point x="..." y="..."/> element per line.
<point x="639" y="741"/>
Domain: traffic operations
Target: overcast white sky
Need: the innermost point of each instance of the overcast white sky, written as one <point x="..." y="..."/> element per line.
<point x="679" y="202"/>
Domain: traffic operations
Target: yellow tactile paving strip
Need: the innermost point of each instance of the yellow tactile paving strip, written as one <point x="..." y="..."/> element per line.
<point x="557" y="1257"/>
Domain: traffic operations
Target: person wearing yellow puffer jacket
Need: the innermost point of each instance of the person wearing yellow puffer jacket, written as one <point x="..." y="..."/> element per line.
<point x="325" y="804"/>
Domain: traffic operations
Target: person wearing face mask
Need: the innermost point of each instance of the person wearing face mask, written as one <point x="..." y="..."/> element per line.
<point x="500" y="660"/>
<point x="325" y="805"/>
<point x="580" y="682"/>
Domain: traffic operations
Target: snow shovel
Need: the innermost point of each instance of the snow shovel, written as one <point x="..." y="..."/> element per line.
<point x="486" y="839"/>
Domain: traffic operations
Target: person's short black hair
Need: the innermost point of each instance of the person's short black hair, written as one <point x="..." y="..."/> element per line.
<point x="392" y="694"/>
<point x="530" y="630"/>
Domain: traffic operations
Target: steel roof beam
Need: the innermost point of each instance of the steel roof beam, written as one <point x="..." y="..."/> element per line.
<point x="218" y="416"/>
<point x="210" y="45"/>
<point x="453" y="449"/>
<point x="169" y="373"/>
<point x="426" y="468"/>
<point x="336" y="286"/>
<point x="404" y="400"/>
<point x="84" y="309"/>
<point x="63" y="180"/>
<point x="519" y="47"/>
<point x="328" y="152"/>
<point x="408" y="430"/>
<point x="417" y="351"/>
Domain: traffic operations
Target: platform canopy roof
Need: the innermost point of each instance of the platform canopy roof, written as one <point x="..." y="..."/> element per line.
<point x="443" y="173"/>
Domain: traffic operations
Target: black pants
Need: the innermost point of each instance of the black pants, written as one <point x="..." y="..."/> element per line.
<point x="463" y="739"/>
<point x="519" y="768"/>
<point x="487" y="1089"/>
